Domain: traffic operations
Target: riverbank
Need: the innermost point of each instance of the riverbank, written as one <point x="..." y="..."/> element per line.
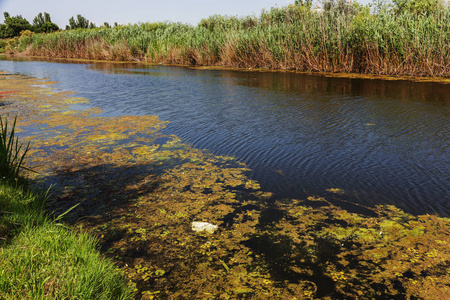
<point x="40" y="257"/>
<point x="224" y="68"/>
<point x="140" y="190"/>
<point x="289" y="38"/>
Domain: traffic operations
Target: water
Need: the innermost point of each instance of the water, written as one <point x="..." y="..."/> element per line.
<point x="383" y="142"/>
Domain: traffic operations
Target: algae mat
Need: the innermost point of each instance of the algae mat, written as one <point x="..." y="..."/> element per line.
<point x="139" y="190"/>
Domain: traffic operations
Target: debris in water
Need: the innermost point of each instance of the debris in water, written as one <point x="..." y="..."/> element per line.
<point x="204" y="227"/>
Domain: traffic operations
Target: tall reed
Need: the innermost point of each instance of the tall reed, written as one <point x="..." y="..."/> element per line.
<point x="291" y="37"/>
<point x="12" y="153"/>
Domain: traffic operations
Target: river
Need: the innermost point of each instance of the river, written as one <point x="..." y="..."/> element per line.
<point x="380" y="141"/>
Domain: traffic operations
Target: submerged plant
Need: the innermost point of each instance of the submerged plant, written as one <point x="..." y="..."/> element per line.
<point x="11" y="152"/>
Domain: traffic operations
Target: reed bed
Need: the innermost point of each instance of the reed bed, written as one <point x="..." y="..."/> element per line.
<point x="288" y="38"/>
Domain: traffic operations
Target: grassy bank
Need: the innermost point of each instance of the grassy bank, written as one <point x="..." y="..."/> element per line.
<point x="40" y="257"/>
<point x="292" y="38"/>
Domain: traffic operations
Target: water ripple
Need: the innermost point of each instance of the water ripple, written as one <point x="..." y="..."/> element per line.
<point x="383" y="142"/>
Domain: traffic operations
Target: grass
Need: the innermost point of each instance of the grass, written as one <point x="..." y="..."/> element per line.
<point x="290" y="38"/>
<point x="39" y="257"/>
<point x="11" y="152"/>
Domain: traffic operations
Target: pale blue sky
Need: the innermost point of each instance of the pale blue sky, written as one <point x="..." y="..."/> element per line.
<point x="133" y="11"/>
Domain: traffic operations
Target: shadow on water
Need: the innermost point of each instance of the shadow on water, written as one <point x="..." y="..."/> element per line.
<point x="399" y="90"/>
<point x="99" y="190"/>
<point x="283" y="258"/>
<point x="294" y="261"/>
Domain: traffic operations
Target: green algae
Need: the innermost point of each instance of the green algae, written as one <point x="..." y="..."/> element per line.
<point x="139" y="197"/>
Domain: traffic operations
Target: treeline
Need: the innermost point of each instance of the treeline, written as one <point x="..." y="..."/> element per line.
<point x="398" y="38"/>
<point x="81" y="22"/>
<point x="14" y="26"/>
<point x="42" y="23"/>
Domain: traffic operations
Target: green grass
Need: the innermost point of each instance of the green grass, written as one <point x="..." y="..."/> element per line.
<point x="12" y="153"/>
<point x="43" y="259"/>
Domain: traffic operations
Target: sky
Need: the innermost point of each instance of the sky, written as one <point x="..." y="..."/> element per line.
<point x="134" y="11"/>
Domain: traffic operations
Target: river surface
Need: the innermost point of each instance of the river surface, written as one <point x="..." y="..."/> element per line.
<point x="382" y="142"/>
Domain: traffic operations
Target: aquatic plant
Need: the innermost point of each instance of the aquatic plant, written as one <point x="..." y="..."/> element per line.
<point x="140" y="195"/>
<point x="393" y="255"/>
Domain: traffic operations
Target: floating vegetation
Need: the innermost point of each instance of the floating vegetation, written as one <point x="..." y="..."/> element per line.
<point x="336" y="191"/>
<point x="140" y="196"/>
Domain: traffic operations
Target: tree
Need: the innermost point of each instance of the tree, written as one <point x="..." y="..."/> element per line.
<point x="306" y="3"/>
<point x="38" y="21"/>
<point x="418" y="6"/>
<point x="381" y="6"/>
<point x="13" y="26"/>
<point x="47" y="18"/>
<point x="340" y="6"/>
<point x="48" y="27"/>
<point x="80" y="22"/>
<point x="4" y="31"/>
<point x="43" y="23"/>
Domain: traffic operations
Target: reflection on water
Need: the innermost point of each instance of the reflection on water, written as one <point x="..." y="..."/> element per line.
<point x="380" y="141"/>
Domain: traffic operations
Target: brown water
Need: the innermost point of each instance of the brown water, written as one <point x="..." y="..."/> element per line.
<point x="382" y="142"/>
